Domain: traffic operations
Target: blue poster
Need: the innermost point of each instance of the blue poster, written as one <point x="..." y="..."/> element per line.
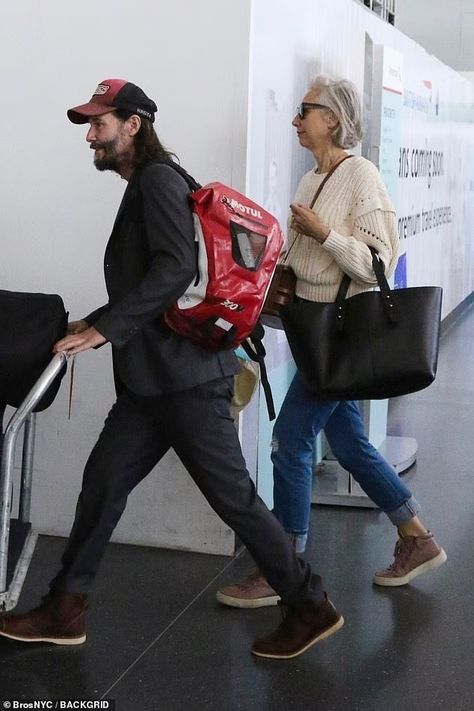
<point x="400" y="276"/>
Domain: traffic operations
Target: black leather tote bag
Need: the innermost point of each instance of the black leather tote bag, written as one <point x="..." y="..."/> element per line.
<point x="30" y="324"/>
<point x="374" y="345"/>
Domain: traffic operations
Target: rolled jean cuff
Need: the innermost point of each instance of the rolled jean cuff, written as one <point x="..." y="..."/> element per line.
<point x="405" y="512"/>
<point x="298" y="541"/>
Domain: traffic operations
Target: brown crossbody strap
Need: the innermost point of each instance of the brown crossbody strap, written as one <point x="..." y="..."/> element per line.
<point x="316" y="195"/>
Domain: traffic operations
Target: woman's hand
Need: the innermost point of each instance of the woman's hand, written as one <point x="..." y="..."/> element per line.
<point x="308" y="223"/>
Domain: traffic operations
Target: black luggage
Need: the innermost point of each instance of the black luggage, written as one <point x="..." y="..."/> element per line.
<point x="30" y="324"/>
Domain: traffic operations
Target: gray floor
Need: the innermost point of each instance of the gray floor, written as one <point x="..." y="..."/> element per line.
<point x="158" y="640"/>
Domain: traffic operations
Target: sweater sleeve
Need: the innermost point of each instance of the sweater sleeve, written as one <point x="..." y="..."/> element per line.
<point x="377" y="229"/>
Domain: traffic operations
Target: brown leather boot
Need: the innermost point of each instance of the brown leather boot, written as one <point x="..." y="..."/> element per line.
<point x="58" y="620"/>
<point x="302" y="626"/>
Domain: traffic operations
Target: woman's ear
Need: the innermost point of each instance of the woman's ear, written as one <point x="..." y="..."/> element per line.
<point x="332" y="120"/>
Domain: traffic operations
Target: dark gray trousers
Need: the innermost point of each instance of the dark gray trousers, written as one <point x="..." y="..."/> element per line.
<point x="196" y="423"/>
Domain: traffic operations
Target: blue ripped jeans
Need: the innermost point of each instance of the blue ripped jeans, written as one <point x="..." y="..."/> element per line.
<point x="301" y="419"/>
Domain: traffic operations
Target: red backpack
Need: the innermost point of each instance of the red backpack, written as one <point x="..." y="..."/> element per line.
<point x="238" y="245"/>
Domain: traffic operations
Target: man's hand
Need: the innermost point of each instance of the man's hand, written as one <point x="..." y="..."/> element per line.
<point x="77" y="327"/>
<point x="308" y="223"/>
<point x="79" y="341"/>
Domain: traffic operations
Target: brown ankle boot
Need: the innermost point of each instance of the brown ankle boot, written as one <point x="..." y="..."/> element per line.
<point x="303" y="625"/>
<point x="58" y="620"/>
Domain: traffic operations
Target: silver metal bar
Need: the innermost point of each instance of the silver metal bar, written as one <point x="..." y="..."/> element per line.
<point x="27" y="468"/>
<point x="9" y="599"/>
<point x="11" y="433"/>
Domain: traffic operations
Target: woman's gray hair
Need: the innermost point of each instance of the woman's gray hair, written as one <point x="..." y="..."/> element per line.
<point x="342" y="98"/>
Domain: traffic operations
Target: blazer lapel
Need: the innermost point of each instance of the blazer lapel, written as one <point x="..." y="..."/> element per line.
<point x="121" y="206"/>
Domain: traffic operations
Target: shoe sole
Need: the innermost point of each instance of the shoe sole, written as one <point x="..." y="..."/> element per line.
<point x="322" y="635"/>
<point x="420" y="570"/>
<point x="52" y="640"/>
<point x="248" y="603"/>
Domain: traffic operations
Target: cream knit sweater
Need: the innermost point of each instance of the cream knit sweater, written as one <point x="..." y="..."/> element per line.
<point x="354" y="203"/>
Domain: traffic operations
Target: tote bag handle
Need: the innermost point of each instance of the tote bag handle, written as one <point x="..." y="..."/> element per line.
<point x="385" y="293"/>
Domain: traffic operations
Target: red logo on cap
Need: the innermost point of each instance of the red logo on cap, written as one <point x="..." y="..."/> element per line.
<point x="101" y="90"/>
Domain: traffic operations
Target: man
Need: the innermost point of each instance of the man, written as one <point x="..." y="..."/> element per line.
<point x="170" y="392"/>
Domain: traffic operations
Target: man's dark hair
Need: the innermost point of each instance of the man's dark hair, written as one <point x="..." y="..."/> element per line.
<point x="148" y="146"/>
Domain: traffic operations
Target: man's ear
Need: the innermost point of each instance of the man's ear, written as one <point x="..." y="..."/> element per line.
<point x="134" y="122"/>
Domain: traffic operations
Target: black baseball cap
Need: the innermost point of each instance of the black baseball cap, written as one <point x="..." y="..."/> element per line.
<point x="112" y="94"/>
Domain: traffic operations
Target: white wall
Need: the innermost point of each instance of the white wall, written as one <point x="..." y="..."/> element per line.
<point x="445" y="29"/>
<point x="57" y="211"/>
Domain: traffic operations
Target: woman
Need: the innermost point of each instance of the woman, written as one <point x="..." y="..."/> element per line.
<point x="352" y="213"/>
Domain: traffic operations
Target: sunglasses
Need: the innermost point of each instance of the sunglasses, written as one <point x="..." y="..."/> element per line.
<point x="305" y="106"/>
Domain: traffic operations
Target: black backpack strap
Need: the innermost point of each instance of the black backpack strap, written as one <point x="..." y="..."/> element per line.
<point x="192" y="183"/>
<point x="254" y="348"/>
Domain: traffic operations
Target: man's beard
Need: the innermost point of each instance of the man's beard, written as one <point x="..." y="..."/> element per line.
<point x="109" y="160"/>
